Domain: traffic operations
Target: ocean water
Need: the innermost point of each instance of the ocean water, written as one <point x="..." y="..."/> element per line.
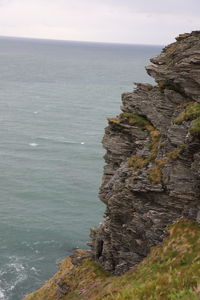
<point x="54" y="100"/>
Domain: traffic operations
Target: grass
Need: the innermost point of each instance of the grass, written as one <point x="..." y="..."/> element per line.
<point x="195" y="128"/>
<point x="133" y="119"/>
<point x="170" y="272"/>
<point x="162" y="162"/>
<point x="80" y="279"/>
<point x="174" y="154"/>
<point x="138" y="161"/>
<point x="191" y="113"/>
<point x="155" y="174"/>
<point x="180" y="118"/>
<point x="130" y="119"/>
<point x="113" y="120"/>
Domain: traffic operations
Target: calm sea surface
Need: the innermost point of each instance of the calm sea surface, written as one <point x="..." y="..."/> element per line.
<point x="54" y="100"/>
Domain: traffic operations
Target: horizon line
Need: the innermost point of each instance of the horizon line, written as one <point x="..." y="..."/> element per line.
<point x="76" y="41"/>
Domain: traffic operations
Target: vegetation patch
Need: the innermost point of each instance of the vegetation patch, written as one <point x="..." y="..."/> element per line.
<point x="180" y="118"/>
<point x="138" y="161"/>
<point x="113" y="120"/>
<point x="155" y="174"/>
<point x="170" y="272"/>
<point x="162" y="162"/>
<point x="133" y="119"/>
<point x="195" y="128"/>
<point x="155" y="141"/>
<point x="191" y="112"/>
<point x="174" y="154"/>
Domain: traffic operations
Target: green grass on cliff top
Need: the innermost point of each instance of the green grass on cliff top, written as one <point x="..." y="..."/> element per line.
<point x="171" y="272"/>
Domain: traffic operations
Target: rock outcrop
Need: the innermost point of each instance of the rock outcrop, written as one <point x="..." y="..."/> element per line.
<point x="152" y="174"/>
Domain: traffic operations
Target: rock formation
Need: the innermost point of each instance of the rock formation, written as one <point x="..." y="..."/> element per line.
<point x="152" y="173"/>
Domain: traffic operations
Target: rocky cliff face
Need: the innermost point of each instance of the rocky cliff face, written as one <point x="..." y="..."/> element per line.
<point x="152" y="176"/>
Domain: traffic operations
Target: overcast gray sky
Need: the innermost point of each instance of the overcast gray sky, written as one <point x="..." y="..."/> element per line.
<point x="123" y="21"/>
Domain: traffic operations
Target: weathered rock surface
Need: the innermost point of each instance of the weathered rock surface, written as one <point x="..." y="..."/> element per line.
<point x="62" y="288"/>
<point x="152" y="175"/>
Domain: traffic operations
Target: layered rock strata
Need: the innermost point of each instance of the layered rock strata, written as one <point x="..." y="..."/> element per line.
<point x="152" y="176"/>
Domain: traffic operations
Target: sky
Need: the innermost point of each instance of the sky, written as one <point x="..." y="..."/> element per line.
<point x="116" y="21"/>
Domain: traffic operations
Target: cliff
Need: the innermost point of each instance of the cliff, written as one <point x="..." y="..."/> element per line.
<point x="151" y="180"/>
<point x="151" y="177"/>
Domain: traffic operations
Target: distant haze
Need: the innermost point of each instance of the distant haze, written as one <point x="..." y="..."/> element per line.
<point x="122" y="21"/>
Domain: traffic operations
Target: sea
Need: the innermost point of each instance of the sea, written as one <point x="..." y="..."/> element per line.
<point x="55" y="97"/>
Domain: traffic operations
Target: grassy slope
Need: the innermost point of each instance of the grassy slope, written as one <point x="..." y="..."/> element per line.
<point x="171" y="271"/>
